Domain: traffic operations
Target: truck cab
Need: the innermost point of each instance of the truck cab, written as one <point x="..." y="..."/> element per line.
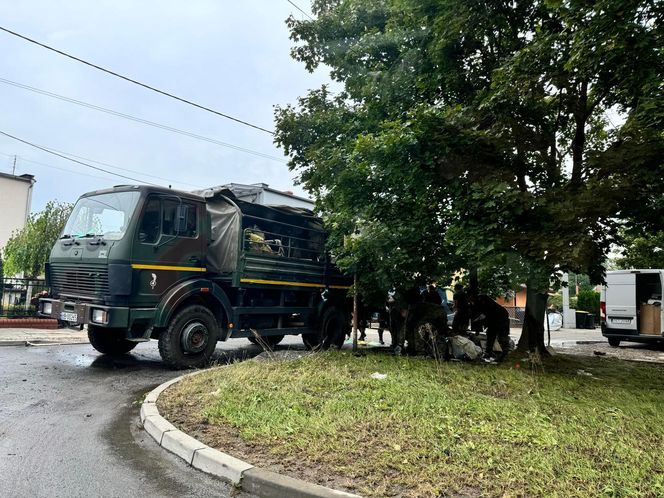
<point x="136" y="263"/>
<point x="631" y="306"/>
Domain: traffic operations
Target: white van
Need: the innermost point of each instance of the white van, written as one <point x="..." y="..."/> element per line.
<point x="631" y="306"/>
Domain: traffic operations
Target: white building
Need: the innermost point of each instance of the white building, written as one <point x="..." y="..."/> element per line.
<point x="15" y="200"/>
<point x="261" y="193"/>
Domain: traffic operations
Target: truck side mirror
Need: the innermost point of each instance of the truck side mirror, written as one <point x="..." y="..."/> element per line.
<point x="181" y="213"/>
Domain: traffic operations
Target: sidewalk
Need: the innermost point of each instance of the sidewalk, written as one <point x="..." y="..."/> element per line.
<point x="27" y="337"/>
<point x="559" y="338"/>
<point x="567" y="337"/>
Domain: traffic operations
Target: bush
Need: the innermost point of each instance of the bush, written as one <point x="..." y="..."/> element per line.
<point x="556" y="302"/>
<point x="588" y="300"/>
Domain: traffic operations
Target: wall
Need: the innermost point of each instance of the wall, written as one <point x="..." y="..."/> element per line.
<point x="15" y="199"/>
<point x="509" y="302"/>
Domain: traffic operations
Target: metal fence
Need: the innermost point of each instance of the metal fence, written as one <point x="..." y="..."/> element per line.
<point x="516" y="314"/>
<point x="19" y="297"/>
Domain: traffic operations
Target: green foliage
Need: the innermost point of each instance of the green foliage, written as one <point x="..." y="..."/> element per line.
<point x="556" y="302"/>
<point x="588" y="300"/>
<point x="28" y="249"/>
<point x="476" y="134"/>
<point x="643" y="250"/>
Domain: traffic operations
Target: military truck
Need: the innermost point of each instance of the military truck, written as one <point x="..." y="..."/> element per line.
<point x="136" y="263"/>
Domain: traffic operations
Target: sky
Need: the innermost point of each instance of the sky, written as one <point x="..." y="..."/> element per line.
<point x="233" y="57"/>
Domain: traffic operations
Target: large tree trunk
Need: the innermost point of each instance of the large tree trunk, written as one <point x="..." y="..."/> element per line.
<point x="532" y="334"/>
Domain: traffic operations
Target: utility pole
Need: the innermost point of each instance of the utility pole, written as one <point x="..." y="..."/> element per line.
<point x="14" y="166"/>
<point x="355" y="310"/>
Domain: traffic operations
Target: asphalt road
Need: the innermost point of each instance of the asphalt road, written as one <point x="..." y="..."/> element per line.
<point x="70" y="427"/>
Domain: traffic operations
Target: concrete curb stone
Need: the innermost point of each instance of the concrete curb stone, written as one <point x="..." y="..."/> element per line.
<point x="157" y="426"/>
<point x="268" y="484"/>
<point x="258" y="481"/>
<point x="215" y="462"/>
<point x="181" y="444"/>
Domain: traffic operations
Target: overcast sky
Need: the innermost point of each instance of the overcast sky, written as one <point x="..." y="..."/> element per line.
<point x="231" y="56"/>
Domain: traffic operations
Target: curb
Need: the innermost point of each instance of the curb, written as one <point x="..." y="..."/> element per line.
<point x="563" y="344"/>
<point x="37" y="343"/>
<point x="241" y="474"/>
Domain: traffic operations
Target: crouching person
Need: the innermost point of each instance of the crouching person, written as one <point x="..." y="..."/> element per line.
<point x="426" y="331"/>
<point x="497" y="321"/>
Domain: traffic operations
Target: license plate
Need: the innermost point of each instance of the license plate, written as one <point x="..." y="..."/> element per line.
<point x="621" y="320"/>
<point x="69" y="317"/>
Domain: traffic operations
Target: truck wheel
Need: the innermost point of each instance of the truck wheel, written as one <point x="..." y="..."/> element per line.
<point x="190" y="338"/>
<point x="109" y="341"/>
<point x="270" y="340"/>
<point x="331" y="331"/>
<point x="614" y="341"/>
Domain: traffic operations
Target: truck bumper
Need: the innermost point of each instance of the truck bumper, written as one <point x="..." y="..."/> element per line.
<point x="76" y="313"/>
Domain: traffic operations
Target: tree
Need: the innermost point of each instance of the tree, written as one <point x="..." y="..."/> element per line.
<point x="642" y="250"/>
<point x="28" y="249"/>
<point x="480" y="130"/>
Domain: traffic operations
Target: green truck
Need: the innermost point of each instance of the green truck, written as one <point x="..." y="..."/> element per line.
<point x="136" y="263"/>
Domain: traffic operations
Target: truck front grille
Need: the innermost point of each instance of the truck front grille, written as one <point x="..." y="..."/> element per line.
<point x="79" y="279"/>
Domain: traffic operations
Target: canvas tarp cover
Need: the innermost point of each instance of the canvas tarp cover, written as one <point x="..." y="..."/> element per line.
<point x="226" y="220"/>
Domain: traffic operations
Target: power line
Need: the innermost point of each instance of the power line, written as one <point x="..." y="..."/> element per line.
<point x="75" y="160"/>
<point x="136" y="82"/>
<point x="298" y="8"/>
<point x="69" y="154"/>
<point x="139" y="120"/>
<point x="170" y="181"/>
<point x="50" y="166"/>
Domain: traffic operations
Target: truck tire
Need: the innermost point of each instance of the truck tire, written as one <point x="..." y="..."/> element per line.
<point x="190" y="338"/>
<point x="331" y="330"/>
<point x="614" y="341"/>
<point x="270" y="340"/>
<point x="109" y="341"/>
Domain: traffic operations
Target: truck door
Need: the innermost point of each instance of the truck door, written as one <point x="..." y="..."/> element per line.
<point x="169" y="245"/>
<point x="621" y="301"/>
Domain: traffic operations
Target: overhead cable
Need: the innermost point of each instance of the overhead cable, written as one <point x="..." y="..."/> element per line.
<point x="298" y="8"/>
<point x="136" y="82"/>
<point x="75" y="160"/>
<point x="139" y="120"/>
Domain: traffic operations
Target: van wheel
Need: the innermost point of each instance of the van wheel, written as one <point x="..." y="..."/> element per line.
<point x="269" y="340"/>
<point x="190" y="338"/>
<point x="331" y="330"/>
<point x="613" y="341"/>
<point x="109" y="341"/>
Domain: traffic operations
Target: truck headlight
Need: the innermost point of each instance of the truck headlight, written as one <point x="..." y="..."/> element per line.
<point x="47" y="308"/>
<point x="99" y="316"/>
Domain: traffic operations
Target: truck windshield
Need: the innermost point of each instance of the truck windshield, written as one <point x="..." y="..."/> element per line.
<point x="103" y="215"/>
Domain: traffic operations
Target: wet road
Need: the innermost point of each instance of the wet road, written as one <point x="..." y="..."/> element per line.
<point x="70" y="427"/>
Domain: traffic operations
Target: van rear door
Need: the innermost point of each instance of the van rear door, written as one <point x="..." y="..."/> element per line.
<point x="621" y="301"/>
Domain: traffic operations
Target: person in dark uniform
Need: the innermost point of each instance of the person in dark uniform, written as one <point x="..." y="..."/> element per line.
<point x="431" y="295"/>
<point x="497" y="321"/>
<point x="461" y="310"/>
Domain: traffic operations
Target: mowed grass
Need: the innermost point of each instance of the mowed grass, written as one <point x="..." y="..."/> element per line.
<point x="451" y="429"/>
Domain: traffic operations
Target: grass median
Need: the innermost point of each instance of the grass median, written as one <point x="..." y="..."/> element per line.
<point x="581" y="427"/>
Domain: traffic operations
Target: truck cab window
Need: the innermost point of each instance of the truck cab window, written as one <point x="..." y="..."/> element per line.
<point x="150" y="224"/>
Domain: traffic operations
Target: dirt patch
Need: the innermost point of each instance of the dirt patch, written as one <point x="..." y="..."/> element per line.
<point x="627" y="351"/>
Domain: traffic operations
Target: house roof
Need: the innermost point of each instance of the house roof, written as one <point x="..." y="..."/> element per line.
<point x="21" y="178"/>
